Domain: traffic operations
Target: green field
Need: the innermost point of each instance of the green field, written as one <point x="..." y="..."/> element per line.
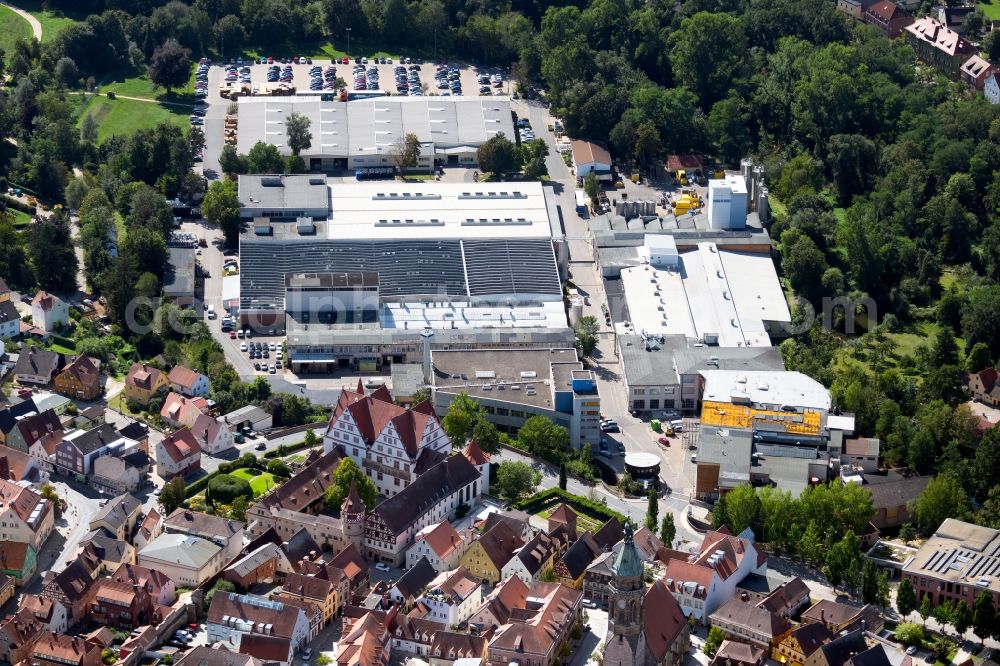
<point x="583" y="521"/>
<point x="260" y="482"/>
<point x="124" y="116"/>
<point x="131" y="84"/>
<point x="990" y="9"/>
<point x="12" y="28"/>
<point x="21" y="219"/>
<point x="53" y="22"/>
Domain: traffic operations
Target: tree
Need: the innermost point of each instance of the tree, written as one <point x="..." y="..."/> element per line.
<point x="230" y="34"/>
<point x="713" y="641"/>
<point x="978" y="357"/>
<point x="839" y="559"/>
<point x="89" y="128"/>
<point x="906" y="598"/>
<point x="221" y="206"/>
<point x="882" y="590"/>
<point x="516" y="479"/>
<point x="232" y="162"/>
<point x="909" y="633"/>
<point x="983" y="615"/>
<point x="406" y="152"/>
<point x="298" y="133"/>
<point x="224" y="488"/>
<point x="340" y="485"/>
<point x="562" y="476"/>
<point x="170" y="65"/>
<point x="962" y="619"/>
<point x="852" y="159"/>
<point x="76" y="190"/>
<point x="586" y="334"/>
<point x="668" y="531"/>
<point x="985" y="472"/>
<point x="728" y="125"/>
<point x="53" y="257"/>
<point x="310" y="439"/>
<point x="945" y="350"/>
<point x="652" y="511"/>
<point x="544" y="438"/>
<point x="497" y="155"/>
<point x="981" y="318"/>
<point x="869" y="582"/>
<point x="172" y="495"/>
<point x="907" y="533"/>
<point x="221" y="585"/>
<point x="67" y="73"/>
<point x="943" y="498"/>
<point x="461" y="418"/>
<point x="50" y="493"/>
<point x="708" y="54"/>
<point x="592" y="187"/>
<point x="279" y="467"/>
<point x="238" y="509"/>
<point x="926" y="609"/>
<point x="265" y="158"/>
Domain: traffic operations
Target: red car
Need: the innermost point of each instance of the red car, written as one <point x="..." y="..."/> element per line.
<point x="270" y="60"/>
<point x="232" y="335"/>
<point x="345" y="61"/>
<point x="664" y="441"/>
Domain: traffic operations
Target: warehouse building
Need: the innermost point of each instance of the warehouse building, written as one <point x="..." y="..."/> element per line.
<point x="477" y="264"/>
<point x="364" y="132"/>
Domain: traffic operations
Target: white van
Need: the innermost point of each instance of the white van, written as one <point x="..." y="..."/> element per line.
<point x="210" y="311"/>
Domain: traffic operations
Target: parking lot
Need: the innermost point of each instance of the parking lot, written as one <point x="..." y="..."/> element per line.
<point x="376" y="76"/>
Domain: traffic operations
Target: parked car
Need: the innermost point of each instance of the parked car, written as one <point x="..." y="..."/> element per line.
<point x="382" y="566"/>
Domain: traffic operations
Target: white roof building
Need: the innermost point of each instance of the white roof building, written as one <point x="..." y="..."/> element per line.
<point x="766" y="389"/>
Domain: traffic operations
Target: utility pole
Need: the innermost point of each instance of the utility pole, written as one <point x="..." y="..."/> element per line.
<point x="348" y="42"/>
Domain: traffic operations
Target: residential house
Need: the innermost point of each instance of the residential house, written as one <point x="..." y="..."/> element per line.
<point x="61" y="650"/>
<point x="665" y="629"/>
<point x="518" y="521"/>
<point x="223" y="531"/>
<point x="150" y="528"/>
<point x="572" y="566"/>
<point x="452" y="597"/>
<point x="321" y="592"/>
<point x="18" y="634"/>
<point x="187" y="382"/>
<point x="848" y="649"/>
<point x="204" y="655"/>
<point x="188" y="560"/>
<point x="80" y="379"/>
<point x="161" y="589"/>
<point x="7" y="585"/>
<point x="103" y="553"/>
<point x="72" y="587"/>
<point x="536" y="632"/>
<point x="270" y="650"/>
<point x="212" y="435"/>
<point x="496" y="609"/>
<point x="114" y="475"/>
<point x="178" y="454"/>
<point x="854" y="8"/>
<point x="121" y="604"/>
<point x="258" y="566"/>
<point x="17" y="466"/>
<point x="31" y="428"/>
<point x="590" y="158"/>
<point x="43" y="452"/>
<point x="364" y="641"/>
<point x="144" y="382"/>
<point x="52" y="614"/>
<point x="975" y="70"/>
<point x="85" y="419"/>
<point x="839" y="617"/>
<point x="565" y="516"/>
<point x="983" y="385"/>
<point x="394" y="445"/>
<point x="888" y="17"/>
<point x="953" y="17"/>
<point x="746" y="622"/>
<point x="597" y="578"/>
<point x="36" y="366"/>
<point x="788" y="599"/>
<point x="12" y="413"/>
<point x="178" y="410"/>
<point x="533" y="558"/>
<point x="449" y="647"/>
<point x="412" y="632"/>
<point x="251" y="416"/>
<point x="892" y="497"/>
<point x="49" y="312"/>
<point x="354" y="565"/>
<point x="991" y="90"/>
<point x="118" y="516"/>
<point x="734" y="653"/>
<point x="412" y="583"/>
<point x="10" y="320"/>
<point x="18" y="560"/>
<point x="938" y="46"/>
<point x="25" y="515"/>
<point x="704" y="581"/>
<point x="488" y="553"/>
<point x="861" y="452"/>
<point x="138" y="432"/>
<point x="440" y="544"/>
<point x="76" y="453"/>
<point x="795" y="648"/>
<point x="233" y="617"/>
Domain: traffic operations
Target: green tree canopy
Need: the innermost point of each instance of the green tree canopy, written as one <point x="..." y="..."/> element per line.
<point x="516" y="479"/>
<point x="340" y="487"/>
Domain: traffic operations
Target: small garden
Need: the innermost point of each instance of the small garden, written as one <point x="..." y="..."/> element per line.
<point x="229" y="490"/>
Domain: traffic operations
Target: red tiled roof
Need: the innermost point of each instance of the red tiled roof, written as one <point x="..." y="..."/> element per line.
<point x="84" y="370"/>
<point x="182" y="376"/>
<point x="181" y="444"/>
<point x="663" y="620"/>
<point x="443" y="539"/>
<point x="475" y="454"/>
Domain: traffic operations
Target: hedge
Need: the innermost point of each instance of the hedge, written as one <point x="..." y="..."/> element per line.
<point x="68" y="343"/>
<point x="273" y="453"/>
<point x="17" y="204"/>
<point x="593" y="509"/>
<point x="199" y="485"/>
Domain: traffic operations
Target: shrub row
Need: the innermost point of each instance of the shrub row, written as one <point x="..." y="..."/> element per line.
<point x="68" y="343"/>
<point x="273" y="453"/>
<point x="17" y="204"/>
<point x="586" y="506"/>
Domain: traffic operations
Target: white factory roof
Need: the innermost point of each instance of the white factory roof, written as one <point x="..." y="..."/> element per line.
<point x="418" y="315"/>
<point x="766" y="387"/>
<point x="400" y="210"/>
<point x="372" y="126"/>
<point x="716" y="293"/>
<point x="734" y="182"/>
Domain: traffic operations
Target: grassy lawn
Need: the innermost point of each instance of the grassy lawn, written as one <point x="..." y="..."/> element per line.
<point x="135" y="84"/>
<point x="53" y="22"/>
<point x="123" y="116"/>
<point x="119" y="404"/>
<point x="12" y="28"/>
<point x="326" y="49"/>
<point x="991" y="8"/>
<point x="583" y="521"/>
<point x="21" y="219"/>
<point x="260" y="482"/>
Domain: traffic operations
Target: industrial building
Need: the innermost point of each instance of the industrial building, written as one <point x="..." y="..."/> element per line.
<point x="477" y="264"/>
<point x="514" y="385"/>
<point x="364" y="132"/>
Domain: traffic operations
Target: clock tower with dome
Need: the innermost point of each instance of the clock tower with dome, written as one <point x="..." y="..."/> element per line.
<point x="625" y="644"/>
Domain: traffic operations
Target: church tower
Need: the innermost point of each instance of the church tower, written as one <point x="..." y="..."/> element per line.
<point x="625" y="643"/>
<point x="352" y="515"/>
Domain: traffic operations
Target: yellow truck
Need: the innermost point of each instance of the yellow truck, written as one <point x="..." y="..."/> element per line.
<point x="682" y="177"/>
<point x="686" y="203"/>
